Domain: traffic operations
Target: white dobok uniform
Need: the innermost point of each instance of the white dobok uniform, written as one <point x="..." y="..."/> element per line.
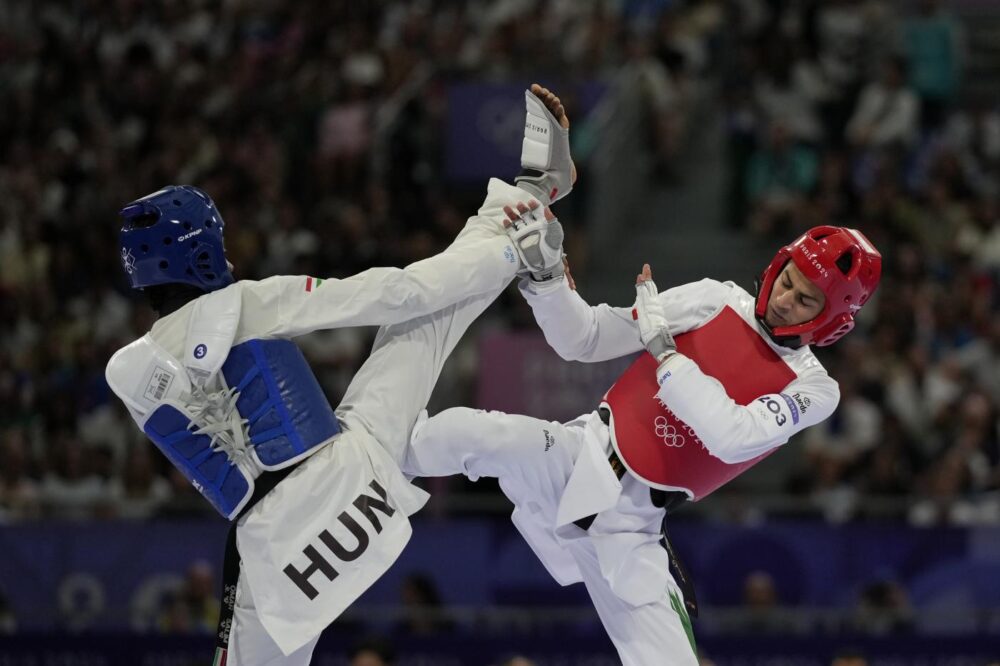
<point x="423" y="309"/>
<point x="556" y="474"/>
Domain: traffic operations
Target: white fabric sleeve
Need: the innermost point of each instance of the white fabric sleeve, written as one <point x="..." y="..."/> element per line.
<point x="581" y="332"/>
<point x="735" y="433"/>
<point x="578" y="331"/>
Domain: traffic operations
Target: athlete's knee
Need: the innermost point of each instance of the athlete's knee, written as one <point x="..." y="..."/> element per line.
<point x="472" y="441"/>
<point x="439" y="444"/>
<point x="458" y="427"/>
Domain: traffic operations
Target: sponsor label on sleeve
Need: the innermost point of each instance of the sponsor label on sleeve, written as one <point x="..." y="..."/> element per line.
<point x="781" y="407"/>
<point x="791" y="407"/>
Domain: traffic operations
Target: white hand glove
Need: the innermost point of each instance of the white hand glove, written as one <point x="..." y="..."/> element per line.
<point x="538" y="242"/>
<point x="653" y="328"/>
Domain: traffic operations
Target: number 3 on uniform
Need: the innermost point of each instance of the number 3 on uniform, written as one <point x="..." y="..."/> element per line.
<point x="774" y="408"/>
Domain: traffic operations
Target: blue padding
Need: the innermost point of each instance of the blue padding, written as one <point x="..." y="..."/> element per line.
<point x="249" y="377"/>
<point x="260" y="411"/>
<point x="201" y="456"/>
<point x="210" y="467"/>
<point x="286" y="410"/>
<point x="268" y="435"/>
<point x="268" y="419"/>
<point x="211" y="472"/>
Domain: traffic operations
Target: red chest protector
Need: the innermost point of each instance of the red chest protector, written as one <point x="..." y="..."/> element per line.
<point x="660" y="449"/>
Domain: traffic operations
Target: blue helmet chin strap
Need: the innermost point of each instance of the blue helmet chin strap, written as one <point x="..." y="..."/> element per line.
<point x="172" y="236"/>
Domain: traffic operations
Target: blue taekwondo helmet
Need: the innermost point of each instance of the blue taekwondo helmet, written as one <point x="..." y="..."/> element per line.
<point x="174" y="235"/>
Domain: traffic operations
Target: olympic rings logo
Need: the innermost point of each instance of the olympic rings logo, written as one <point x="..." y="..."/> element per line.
<point x="668" y="433"/>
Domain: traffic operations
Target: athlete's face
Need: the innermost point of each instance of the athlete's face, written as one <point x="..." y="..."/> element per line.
<point x="794" y="299"/>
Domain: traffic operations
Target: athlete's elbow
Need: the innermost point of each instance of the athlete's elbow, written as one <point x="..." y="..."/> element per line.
<point x="727" y="452"/>
<point x="731" y="445"/>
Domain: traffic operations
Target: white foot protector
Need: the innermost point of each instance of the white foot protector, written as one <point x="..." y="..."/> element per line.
<point x="546" y="165"/>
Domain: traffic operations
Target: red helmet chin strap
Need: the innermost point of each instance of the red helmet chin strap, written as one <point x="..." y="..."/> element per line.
<point x="843" y="264"/>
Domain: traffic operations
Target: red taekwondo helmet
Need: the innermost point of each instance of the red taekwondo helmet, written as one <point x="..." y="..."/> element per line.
<point x="843" y="264"/>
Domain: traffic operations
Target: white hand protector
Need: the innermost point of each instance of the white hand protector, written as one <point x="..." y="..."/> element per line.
<point x="546" y="166"/>
<point x="539" y="245"/>
<point x="654" y="331"/>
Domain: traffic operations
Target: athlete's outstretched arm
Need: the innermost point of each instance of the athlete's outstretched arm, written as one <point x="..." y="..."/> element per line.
<point x="578" y="331"/>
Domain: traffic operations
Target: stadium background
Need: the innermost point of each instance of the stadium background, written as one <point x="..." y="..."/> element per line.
<point x="335" y="136"/>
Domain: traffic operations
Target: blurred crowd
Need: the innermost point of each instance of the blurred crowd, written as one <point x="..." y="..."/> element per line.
<point x="851" y="112"/>
<point x="314" y="125"/>
<point x="317" y="128"/>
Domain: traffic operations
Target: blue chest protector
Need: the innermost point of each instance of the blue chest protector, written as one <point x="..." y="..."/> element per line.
<point x="287" y="417"/>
